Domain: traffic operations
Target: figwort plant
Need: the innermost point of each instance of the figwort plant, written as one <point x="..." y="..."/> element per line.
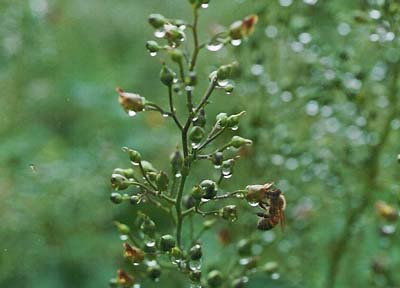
<point x="150" y="252"/>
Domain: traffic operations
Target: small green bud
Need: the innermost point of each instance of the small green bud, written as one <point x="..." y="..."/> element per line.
<point x="238" y="142"/>
<point x="148" y="227"/>
<point x="196" y="134"/>
<point x="201" y="119"/>
<point x="225" y="71"/>
<point x="229" y="213"/>
<point x="157" y="20"/>
<point x="195" y="252"/>
<point x="244" y="247"/>
<point x="148" y="167"/>
<point x="214" y="278"/>
<point x="197" y="192"/>
<point x="176" y="162"/>
<point x="134" y="156"/>
<point x="167" y="242"/>
<point x="233" y="120"/>
<point x="235" y="30"/>
<point x="152" y="46"/>
<point x="218" y="159"/>
<point x="162" y="181"/>
<point x="176" y="55"/>
<point x="119" y="182"/>
<point x="209" y="189"/>
<point x="195" y="275"/>
<point x="222" y="119"/>
<point x="122" y="228"/>
<point x="116" y="198"/>
<point x="270" y="267"/>
<point x="127" y="173"/>
<point x="173" y="35"/>
<point x="131" y="102"/>
<point x="154" y="272"/>
<point x="191" y="79"/>
<point x="176" y="253"/>
<point x="167" y="76"/>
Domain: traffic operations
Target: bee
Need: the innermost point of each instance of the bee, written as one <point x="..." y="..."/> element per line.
<point x="270" y="200"/>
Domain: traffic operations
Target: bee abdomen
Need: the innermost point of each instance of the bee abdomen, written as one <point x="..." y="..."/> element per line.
<point x="265" y="224"/>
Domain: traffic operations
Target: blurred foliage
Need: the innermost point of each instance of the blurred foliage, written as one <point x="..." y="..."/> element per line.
<point x="321" y="80"/>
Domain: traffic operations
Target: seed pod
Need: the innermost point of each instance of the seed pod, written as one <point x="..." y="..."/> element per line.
<point x="162" y="181"/>
<point x="148" y="167"/>
<point x="218" y="158"/>
<point x="196" y="134"/>
<point x="167" y="76"/>
<point x="176" y="253"/>
<point x="173" y="35"/>
<point x="127" y="173"/>
<point x="132" y="103"/>
<point x="157" y="20"/>
<point x="238" y="142"/>
<point x="134" y="199"/>
<point x="189" y="201"/>
<point x="225" y="71"/>
<point x="116" y="198"/>
<point x="167" y="242"/>
<point x="191" y="79"/>
<point x="148" y="226"/>
<point x="195" y="252"/>
<point x="214" y="278"/>
<point x="209" y="189"/>
<point x="229" y="88"/>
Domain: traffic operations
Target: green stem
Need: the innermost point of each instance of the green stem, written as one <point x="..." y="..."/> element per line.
<point x="172" y="109"/>
<point x="178" y="207"/>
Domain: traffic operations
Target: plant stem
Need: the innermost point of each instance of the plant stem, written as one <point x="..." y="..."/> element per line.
<point x="178" y="208"/>
<point x="195" y="39"/>
<point x="172" y="109"/>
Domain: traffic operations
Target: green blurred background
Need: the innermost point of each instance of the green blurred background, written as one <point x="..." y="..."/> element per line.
<point x="319" y="81"/>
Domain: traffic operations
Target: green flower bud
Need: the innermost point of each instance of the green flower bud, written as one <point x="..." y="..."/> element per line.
<point x="235" y="30"/>
<point x="148" y="167"/>
<point x="209" y="189"/>
<point x="197" y="192"/>
<point x="173" y="35"/>
<point x="176" y="162"/>
<point x="167" y="242"/>
<point x="229" y="213"/>
<point x="157" y="20"/>
<point x="127" y="173"/>
<point x="122" y="228"/>
<point x="201" y="119"/>
<point x="238" y="142"/>
<point x="196" y="134"/>
<point x="176" y="55"/>
<point x="167" y="76"/>
<point x="119" y="182"/>
<point x="222" y="119"/>
<point x="176" y="253"/>
<point x="218" y="158"/>
<point x="191" y="79"/>
<point x="116" y="198"/>
<point x="152" y="176"/>
<point x="154" y="272"/>
<point x="134" y="156"/>
<point x="130" y="102"/>
<point x="244" y="247"/>
<point x="214" y="278"/>
<point x="152" y="47"/>
<point x="134" y="199"/>
<point x="195" y="252"/>
<point x="162" y="181"/>
<point x="148" y="227"/>
<point x="243" y="28"/>
<point x="233" y="120"/>
<point x="270" y="267"/>
<point x="195" y="275"/>
<point x="225" y="71"/>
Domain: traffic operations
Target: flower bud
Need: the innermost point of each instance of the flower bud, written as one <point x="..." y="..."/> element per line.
<point x="173" y="35"/>
<point x="218" y="159"/>
<point x="225" y="71"/>
<point x="116" y="198"/>
<point x="233" y="120"/>
<point x="147" y="226"/>
<point x="244" y="247"/>
<point x="167" y="76"/>
<point x="214" y="278"/>
<point x="209" y="189"/>
<point x="133" y="253"/>
<point x="176" y="55"/>
<point x="150" y="249"/>
<point x="167" y="242"/>
<point x="176" y="253"/>
<point x="196" y="134"/>
<point x="238" y="141"/>
<point x="222" y="119"/>
<point x="152" y="176"/>
<point x="119" y="182"/>
<point x="124" y="279"/>
<point x="197" y="192"/>
<point x="191" y="79"/>
<point x="162" y="181"/>
<point x="157" y="20"/>
<point x="134" y="156"/>
<point x="201" y="119"/>
<point x="122" y="228"/>
<point x="152" y="46"/>
<point x="195" y="252"/>
<point x="195" y="275"/>
<point x="148" y="167"/>
<point x="255" y="193"/>
<point x="134" y="199"/>
<point x="176" y="162"/>
<point x="229" y="213"/>
<point x="154" y="272"/>
<point x="386" y="211"/>
<point x="130" y="102"/>
<point x="127" y="173"/>
<point x="243" y="28"/>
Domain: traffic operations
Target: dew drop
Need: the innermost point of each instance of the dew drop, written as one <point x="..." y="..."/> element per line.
<point x="244" y="261"/>
<point x="33" y="168"/>
<point x="165" y="115"/>
<point x="204" y="200"/>
<point x="236" y="42"/>
<point x="217" y="166"/>
<point x="234" y="128"/>
<point x="253" y="204"/>
<point x="131" y="113"/>
<point x="214" y="47"/>
<point x="275" y="276"/>
<point x="151" y="263"/>
<point x="135" y="163"/>
<point x="159" y="33"/>
<point x="123" y="237"/>
<point x="204" y="5"/>
<point x="135" y="263"/>
<point x="125" y="149"/>
<point x="152" y="54"/>
<point x="189" y="88"/>
<point x="195" y="265"/>
<point x="223" y="83"/>
<point x="178" y="175"/>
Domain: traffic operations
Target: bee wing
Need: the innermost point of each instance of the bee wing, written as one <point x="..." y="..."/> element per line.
<point x="282" y="220"/>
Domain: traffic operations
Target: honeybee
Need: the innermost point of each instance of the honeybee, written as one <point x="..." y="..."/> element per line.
<point x="272" y="201"/>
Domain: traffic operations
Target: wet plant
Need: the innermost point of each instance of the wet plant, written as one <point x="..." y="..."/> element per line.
<point x="151" y="252"/>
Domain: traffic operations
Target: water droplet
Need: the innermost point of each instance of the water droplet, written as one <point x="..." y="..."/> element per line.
<point x="159" y="33"/>
<point x="234" y="128"/>
<point x="135" y="263"/>
<point x="214" y="47"/>
<point x="253" y="204"/>
<point x="165" y="115"/>
<point x="152" y="54"/>
<point x="135" y="163"/>
<point x="275" y="276"/>
<point x="136" y="286"/>
<point x="178" y="175"/>
<point x="33" y="168"/>
<point x="223" y="83"/>
<point x="204" y="200"/>
<point x="123" y="237"/>
<point x="189" y="88"/>
<point x="131" y="113"/>
<point x="151" y="263"/>
<point x="244" y="261"/>
<point x="195" y="264"/>
<point x="227" y="172"/>
<point x="125" y="149"/>
<point x="217" y="166"/>
<point x="236" y="42"/>
<point x="204" y="5"/>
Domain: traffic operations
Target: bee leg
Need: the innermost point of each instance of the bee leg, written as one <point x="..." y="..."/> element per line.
<point x="263" y="205"/>
<point x="263" y="215"/>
